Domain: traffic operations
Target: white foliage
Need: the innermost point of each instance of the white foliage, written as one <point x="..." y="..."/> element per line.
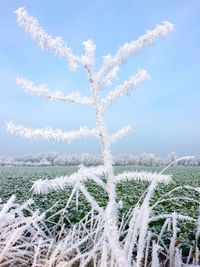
<point x="143" y="176"/>
<point x="45" y="41"/>
<point x="19" y="234"/>
<point x="54" y="158"/>
<point x="120" y="133"/>
<point x="155" y="255"/>
<point x="169" y="216"/>
<point x="60" y="183"/>
<point x="43" y="91"/>
<point x="110" y="77"/>
<point x="50" y="134"/>
<point x="129" y="49"/>
<point x="89" y="198"/>
<point x="125" y="88"/>
<point x="89" y="57"/>
<point x="178" y="258"/>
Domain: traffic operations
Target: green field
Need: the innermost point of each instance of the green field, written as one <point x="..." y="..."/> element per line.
<point x="18" y="181"/>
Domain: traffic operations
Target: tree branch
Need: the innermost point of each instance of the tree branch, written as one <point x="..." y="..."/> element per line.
<point x="125" y="88"/>
<point x="143" y="176"/>
<point x="130" y="49"/>
<point x="120" y="133"/>
<point x="50" y="134"/>
<point x="46" y="41"/>
<point x="43" y="91"/>
<point x="89" y="58"/>
<point x="60" y="183"/>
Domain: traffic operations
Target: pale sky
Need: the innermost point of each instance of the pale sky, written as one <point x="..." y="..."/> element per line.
<point x="165" y="111"/>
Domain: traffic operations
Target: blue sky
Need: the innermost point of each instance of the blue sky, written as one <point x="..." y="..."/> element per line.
<point x="165" y="111"/>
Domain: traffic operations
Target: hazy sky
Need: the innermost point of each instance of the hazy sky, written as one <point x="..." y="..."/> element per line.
<point x="165" y="111"/>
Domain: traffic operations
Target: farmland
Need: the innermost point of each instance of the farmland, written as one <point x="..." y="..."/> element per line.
<point x="19" y="181"/>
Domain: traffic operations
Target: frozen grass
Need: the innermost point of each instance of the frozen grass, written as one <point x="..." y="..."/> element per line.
<point x="169" y="232"/>
<point x="28" y="239"/>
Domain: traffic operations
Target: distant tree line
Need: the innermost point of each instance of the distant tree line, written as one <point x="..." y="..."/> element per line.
<point x="56" y="159"/>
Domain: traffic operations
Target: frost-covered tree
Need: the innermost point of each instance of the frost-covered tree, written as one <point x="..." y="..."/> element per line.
<point x="106" y="247"/>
